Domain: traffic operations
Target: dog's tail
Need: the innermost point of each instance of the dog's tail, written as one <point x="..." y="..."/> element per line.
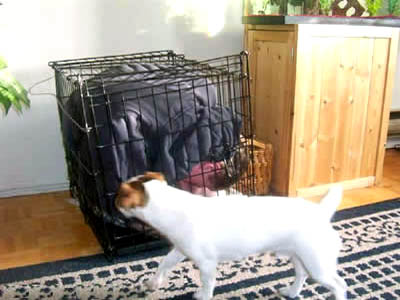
<point x="331" y="200"/>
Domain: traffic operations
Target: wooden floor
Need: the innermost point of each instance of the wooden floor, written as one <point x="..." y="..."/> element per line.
<point x="43" y="228"/>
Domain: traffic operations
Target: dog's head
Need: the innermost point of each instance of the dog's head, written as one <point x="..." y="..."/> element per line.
<point x="131" y="194"/>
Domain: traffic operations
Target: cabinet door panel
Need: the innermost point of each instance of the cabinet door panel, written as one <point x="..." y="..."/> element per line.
<point x="271" y="64"/>
<point x="339" y="101"/>
<point x="375" y="116"/>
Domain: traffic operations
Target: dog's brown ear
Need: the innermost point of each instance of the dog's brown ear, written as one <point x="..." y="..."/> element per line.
<point x="124" y="189"/>
<point x="131" y="195"/>
<point x="154" y="175"/>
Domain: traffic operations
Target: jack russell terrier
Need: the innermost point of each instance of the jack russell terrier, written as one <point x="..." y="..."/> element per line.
<point x="215" y="229"/>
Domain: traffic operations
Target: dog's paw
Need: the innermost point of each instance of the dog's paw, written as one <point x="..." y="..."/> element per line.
<point x="153" y="284"/>
<point x="199" y="295"/>
<point x="288" y="292"/>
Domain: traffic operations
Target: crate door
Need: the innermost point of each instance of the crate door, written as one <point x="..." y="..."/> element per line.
<point x="271" y="65"/>
<point x="340" y="102"/>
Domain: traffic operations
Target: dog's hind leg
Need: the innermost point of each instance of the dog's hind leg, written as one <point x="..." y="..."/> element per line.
<point x="341" y="281"/>
<point x="333" y="285"/>
<point x="322" y="267"/>
<point x="172" y="258"/>
<point x="207" y="274"/>
<point x="325" y="274"/>
<point x="301" y="276"/>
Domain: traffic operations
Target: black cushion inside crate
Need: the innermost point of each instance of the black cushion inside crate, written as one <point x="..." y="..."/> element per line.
<point x="145" y="116"/>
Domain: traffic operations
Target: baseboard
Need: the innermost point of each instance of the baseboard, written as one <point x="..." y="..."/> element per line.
<point x="347" y="185"/>
<point x="31" y="190"/>
<point x="392" y="141"/>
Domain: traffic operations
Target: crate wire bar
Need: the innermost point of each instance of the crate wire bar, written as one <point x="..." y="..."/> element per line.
<point x="123" y="115"/>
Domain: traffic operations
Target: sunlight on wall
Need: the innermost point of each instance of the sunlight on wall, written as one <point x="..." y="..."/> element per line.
<point x="205" y="16"/>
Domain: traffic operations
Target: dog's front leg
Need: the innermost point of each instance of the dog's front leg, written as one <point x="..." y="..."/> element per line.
<point x="174" y="257"/>
<point x="301" y="276"/>
<point x="207" y="275"/>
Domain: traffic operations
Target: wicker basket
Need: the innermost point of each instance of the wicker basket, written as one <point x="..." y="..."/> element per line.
<point x="263" y="156"/>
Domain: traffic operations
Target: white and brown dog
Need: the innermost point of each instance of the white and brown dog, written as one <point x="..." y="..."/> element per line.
<point x="216" y="229"/>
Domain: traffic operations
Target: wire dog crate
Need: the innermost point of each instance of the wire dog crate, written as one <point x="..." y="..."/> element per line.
<point x="155" y="111"/>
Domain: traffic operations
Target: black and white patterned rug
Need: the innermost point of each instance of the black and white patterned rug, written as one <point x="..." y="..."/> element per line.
<point x="369" y="262"/>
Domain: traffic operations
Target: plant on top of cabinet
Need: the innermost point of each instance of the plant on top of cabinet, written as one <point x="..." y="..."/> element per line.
<point x="325" y="6"/>
<point x="394" y="7"/>
<point x="295" y="7"/>
<point x="271" y="7"/>
<point x="257" y="7"/>
<point x="373" y="6"/>
<point x="312" y="7"/>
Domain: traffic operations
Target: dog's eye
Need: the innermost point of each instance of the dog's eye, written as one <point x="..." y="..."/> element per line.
<point x="123" y="195"/>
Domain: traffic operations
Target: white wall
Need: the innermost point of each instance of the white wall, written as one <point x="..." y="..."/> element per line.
<point x="34" y="32"/>
<point x="396" y="91"/>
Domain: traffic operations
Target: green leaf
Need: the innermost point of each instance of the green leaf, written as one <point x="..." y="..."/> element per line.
<point x="296" y="2"/>
<point x="373" y="6"/>
<point x="12" y="93"/>
<point x="23" y="94"/>
<point x="5" y="102"/>
<point x="15" y="97"/>
<point x="394" y="7"/>
<point x="325" y="6"/>
<point x="3" y="63"/>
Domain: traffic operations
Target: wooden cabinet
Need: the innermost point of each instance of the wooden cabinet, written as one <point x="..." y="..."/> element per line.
<point x="321" y="94"/>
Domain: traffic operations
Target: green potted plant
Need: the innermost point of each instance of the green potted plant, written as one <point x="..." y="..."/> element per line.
<point x="325" y="6"/>
<point x="394" y="7"/>
<point x="295" y="7"/>
<point x="271" y="7"/>
<point x="373" y="6"/>
<point x="257" y="7"/>
<point x="12" y="93"/>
